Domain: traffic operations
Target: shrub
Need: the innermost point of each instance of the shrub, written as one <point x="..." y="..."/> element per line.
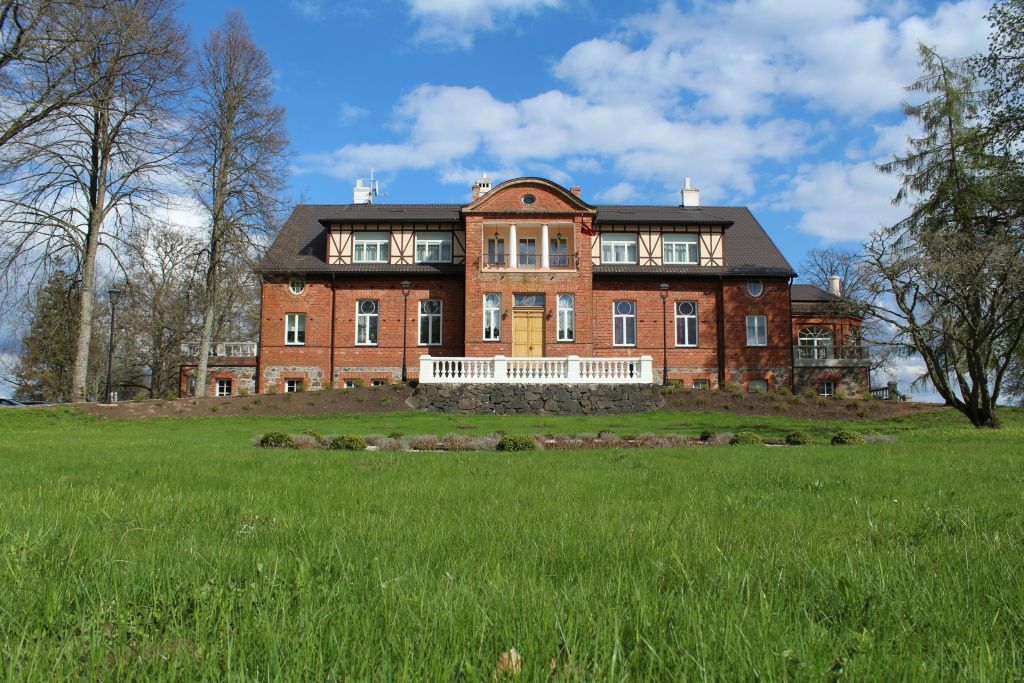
<point x="386" y="401"/>
<point x="305" y="441"/>
<point x="395" y="435"/>
<point x="745" y="439"/>
<point x="276" y="440"/>
<point x="846" y="437"/>
<point x="256" y="401"/>
<point x="707" y="435"/>
<point x="458" y="442"/>
<point x="799" y="439"/>
<point x="358" y="382"/>
<point x="516" y="442"/>
<point x="348" y="442"/>
<point x="316" y="436"/>
<point x="783" y="391"/>
<point x="730" y="387"/>
<point x="428" y="442"/>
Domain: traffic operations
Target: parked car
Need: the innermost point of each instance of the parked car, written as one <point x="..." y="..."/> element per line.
<point x="9" y="403"/>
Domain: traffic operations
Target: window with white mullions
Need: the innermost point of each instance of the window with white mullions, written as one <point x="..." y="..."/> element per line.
<point x="434" y="247"/>
<point x="686" y="323"/>
<point x="624" y="323"/>
<point x="430" y="322"/>
<point x="295" y="329"/>
<point x="527" y="252"/>
<point x="367" y="321"/>
<point x="681" y="249"/>
<point x="558" y="254"/>
<point x="815" y="342"/>
<point x="827" y="388"/>
<point x="223" y="387"/>
<point x="496" y="252"/>
<point x="566" y="317"/>
<point x="618" y="248"/>
<point x="757" y="330"/>
<point x="371" y="247"/>
<point x="492" y="317"/>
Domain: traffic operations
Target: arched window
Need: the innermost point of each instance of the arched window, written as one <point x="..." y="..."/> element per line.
<point x="815" y="342"/>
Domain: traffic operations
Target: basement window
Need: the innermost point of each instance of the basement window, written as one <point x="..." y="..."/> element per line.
<point x="377" y="382"/>
<point x="292" y="386"/>
<point x="827" y="388"/>
<point x="349" y="384"/>
<point x="224" y="387"/>
<point x="701" y="384"/>
<point x="758" y="386"/>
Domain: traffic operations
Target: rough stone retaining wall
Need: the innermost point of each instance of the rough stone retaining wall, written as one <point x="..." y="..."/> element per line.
<point x="552" y="399"/>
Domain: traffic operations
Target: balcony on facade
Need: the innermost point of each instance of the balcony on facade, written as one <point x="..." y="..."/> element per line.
<point x="518" y="247"/>
<point x="828" y="356"/>
<point x="246" y="349"/>
<point x="567" y="370"/>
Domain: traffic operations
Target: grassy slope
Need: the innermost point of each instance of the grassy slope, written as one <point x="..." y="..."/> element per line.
<point x="170" y="548"/>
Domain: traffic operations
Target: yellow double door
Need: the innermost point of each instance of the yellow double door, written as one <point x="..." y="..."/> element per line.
<point x="528" y="333"/>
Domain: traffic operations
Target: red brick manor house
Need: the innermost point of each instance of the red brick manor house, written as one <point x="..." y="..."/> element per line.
<point x="531" y="283"/>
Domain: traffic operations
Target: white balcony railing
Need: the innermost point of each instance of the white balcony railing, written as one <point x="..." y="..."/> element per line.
<point x="568" y="370"/>
<point x="831" y="356"/>
<point x="228" y="349"/>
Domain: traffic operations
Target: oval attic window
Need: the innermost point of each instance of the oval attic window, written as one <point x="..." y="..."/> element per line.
<point x="529" y="199"/>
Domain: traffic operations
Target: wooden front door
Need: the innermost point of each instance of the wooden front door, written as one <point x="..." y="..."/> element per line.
<point x="527" y="333"/>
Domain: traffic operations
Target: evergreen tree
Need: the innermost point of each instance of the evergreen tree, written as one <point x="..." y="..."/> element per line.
<point x="43" y="372"/>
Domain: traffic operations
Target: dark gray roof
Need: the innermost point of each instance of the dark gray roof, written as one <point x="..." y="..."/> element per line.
<point x="805" y="292"/>
<point x="301" y="245"/>
<point x="658" y="215"/>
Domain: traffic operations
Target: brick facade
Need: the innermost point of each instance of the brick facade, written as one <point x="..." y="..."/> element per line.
<point x="331" y="355"/>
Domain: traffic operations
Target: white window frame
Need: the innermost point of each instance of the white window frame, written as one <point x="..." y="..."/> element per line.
<point x="294" y="327"/>
<point x="495" y="312"/>
<point x="431" y="319"/>
<point x="689" y="251"/>
<point x="296" y="284"/>
<point x="496" y="256"/>
<point x="689" y="343"/>
<point x="759" y="382"/>
<point x="702" y="384"/>
<point x="610" y="240"/>
<point x="289" y="382"/>
<point x="760" y="330"/>
<point x="442" y="240"/>
<point x="623" y="319"/>
<point x="523" y="258"/>
<point x="566" y="318"/>
<point x="378" y="382"/>
<point x="381" y="242"/>
<point x="827" y="393"/>
<point x="758" y="284"/>
<point x="220" y="385"/>
<point x="348" y="384"/>
<point x="360" y="316"/>
<point x="557" y="256"/>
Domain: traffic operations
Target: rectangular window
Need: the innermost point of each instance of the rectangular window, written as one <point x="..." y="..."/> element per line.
<point x="433" y="247"/>
<point x="527" y="252"/>
<point x="757" y="330"/>
<point x="370" y="247"/>
<point x="349" y="384"/>
<point x="430" y="322"/>
<point x="681" y="249"/>
<point x="618" y="248"/>
<point x="224" y="387"/>
<point x="492" y="317"/>
<point x="686" y="323"/>
<point x="566" y="317"/>
<point x="559" y="252"/>
<point x="378" y="382"/>
<point x="295" y="328"/>
<point x="496" y="252"/>
<point x="758" y="386"/>
<point x="292" y="386"/>
<point x="624" y="323"/>
<point x="701" y="384"/>
<point x="827" y="388"/>
<point x="367" y="320"/>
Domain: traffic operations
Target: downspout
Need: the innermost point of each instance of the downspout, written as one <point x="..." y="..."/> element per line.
<point x="720" y="295"/>
<point x="259" y="344"/>
<point x="334" y="301"/>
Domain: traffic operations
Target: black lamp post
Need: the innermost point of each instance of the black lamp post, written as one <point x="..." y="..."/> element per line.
<point x="114" y="295"/>
<point x="405" y="325"/>
<point x="664" y="333"/>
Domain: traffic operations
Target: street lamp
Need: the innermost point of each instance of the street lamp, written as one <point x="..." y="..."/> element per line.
<point x="405" y="325"/>
<point x="114" y="294"/>
<point x="664" y="333"/>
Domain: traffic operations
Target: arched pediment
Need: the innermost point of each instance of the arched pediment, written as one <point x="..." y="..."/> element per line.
<point x="529" y="195"/>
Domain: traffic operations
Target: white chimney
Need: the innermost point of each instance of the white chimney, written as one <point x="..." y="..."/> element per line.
<point x="481" y="187"/>
<point x="835" y="287"/>
<point x="362" y="194"/>
<point x="691" y="195"/>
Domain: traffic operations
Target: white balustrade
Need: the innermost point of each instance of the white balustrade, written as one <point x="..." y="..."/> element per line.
<point x="568" y="370"/>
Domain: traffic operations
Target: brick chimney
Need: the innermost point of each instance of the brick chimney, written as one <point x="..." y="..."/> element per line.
<point x="481" y="187"/>
<point x="835" y="285"/>
<point x="691" y="195"/>
<point x="575" y="189"/>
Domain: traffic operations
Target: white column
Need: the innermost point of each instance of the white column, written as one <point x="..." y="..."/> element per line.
<point x="646" y="370"/>
<point x="500" y="369"/>
<point x="426" y="370"/>
<point x="545" y="260"/>
<point x="513" y="247"/>
<point x="573" y="369"/>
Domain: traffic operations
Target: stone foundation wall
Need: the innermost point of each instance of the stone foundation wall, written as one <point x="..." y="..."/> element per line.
<point x="537" y="399"/>
<point x="312" y="377"/>
<point x="849" y="381"/>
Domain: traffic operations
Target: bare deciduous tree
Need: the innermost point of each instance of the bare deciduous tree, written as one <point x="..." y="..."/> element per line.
<point x="238" y="156"/>
<point x="81" y="182"/>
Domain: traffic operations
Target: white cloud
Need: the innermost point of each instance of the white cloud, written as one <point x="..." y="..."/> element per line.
<point x="349" y="113"/>
<point x="455" y="22"/>
<point x="618" y="193"/>
<point x="307" y="9"/>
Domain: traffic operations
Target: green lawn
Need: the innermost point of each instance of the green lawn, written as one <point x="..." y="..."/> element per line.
<point x="167" y="549"/>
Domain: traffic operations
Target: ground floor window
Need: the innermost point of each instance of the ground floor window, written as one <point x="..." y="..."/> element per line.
<point x="566" y="317"/>
<point x="624" y="323"/>
<point x="701" y="384"/>
<point x="295" y="328"/>
<point x="430" y="322"/>
<point x="758" y="386"/>
<point x="349" y="384"/>
<point x="686" y="323"/>
<point x="827" y="388"/>
<point x="224" y="387"/>
<point x="492" y="317"/>
<point x="757" y="330"/>
<point x="292" y="386"/>
<point x="378" y="382"/>
<point x="367" y="318"/>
